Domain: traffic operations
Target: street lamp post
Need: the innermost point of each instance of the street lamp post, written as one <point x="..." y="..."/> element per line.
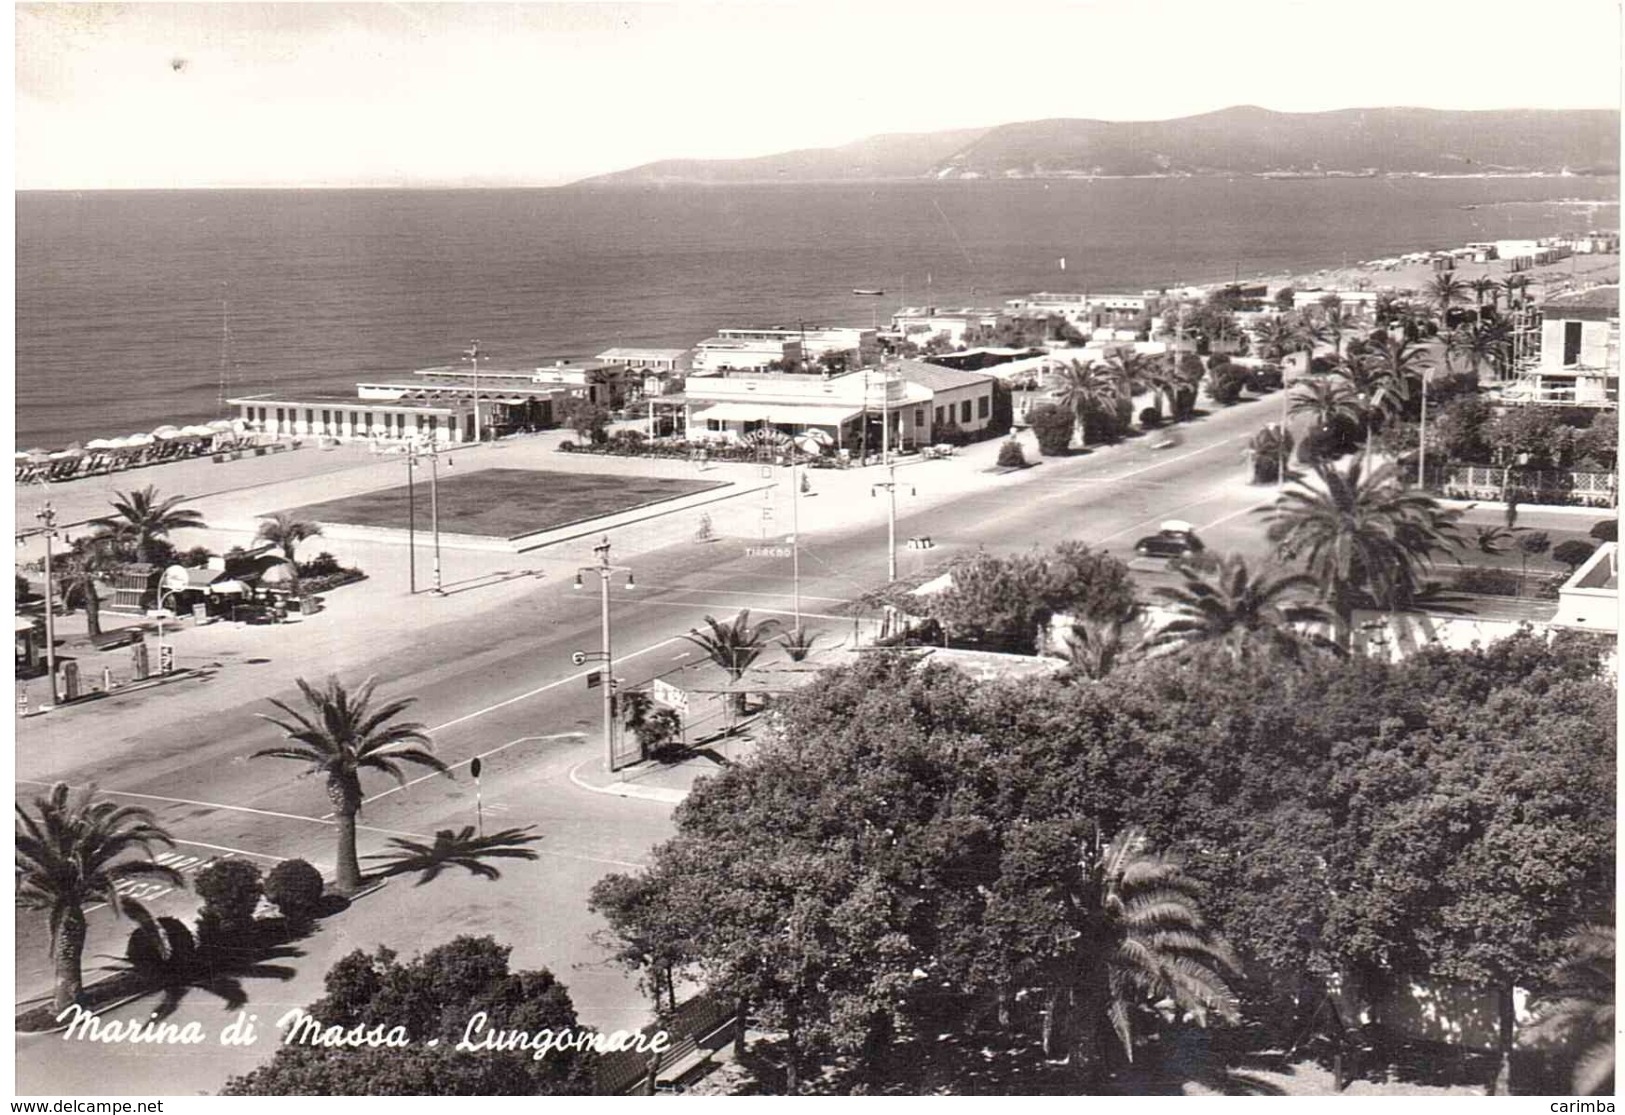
<point x="432" y="451"/>
<point x="162" y="646"/>
<point x="605" y="572"/>
<point x="411" y="523"/>
<point x="473" y="355"/>
<point x="47" y="515"/>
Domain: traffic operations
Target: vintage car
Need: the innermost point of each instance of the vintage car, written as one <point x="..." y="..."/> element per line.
<point x="1174" y="538"/>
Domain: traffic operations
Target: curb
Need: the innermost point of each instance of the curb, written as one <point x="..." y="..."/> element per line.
<point x="627" y="789"/>
<point x="1543" y="508"/>
<point x="525" y="543"/>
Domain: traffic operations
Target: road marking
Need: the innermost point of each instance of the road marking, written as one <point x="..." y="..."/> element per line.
<point x="464" y="763"/>
<point x="742" y="592"/>
<point x="1171" y="460"/>
<point x="202" y="804"/>
<point x="561" y="681"/>
<point x="702" y="604"/>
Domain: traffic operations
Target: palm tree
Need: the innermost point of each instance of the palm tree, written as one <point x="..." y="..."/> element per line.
<point x="1480" y="343"/>
<point x="1243" y="609"/>
<point x="1308" y="333"/>
<point x="1484" y="285"/>
<point x="69" y="853"/>
<point x="1140" y="939"/>
<point x="1085" y="390"/>
<point x="1381" y="377"/>
<point x="1444" y="292"/>
<point x="1336" y="321"/>
<point x="1515" y="285"/>
<point x="1578" y="1010"/>
<point x="341" y="736"/>
<point x="1364" y="537"/>
<point x="1330" y="400"/>
<point x="798" y="643"/>
<point x="1097" y="646"/>
<point x="1398" y="362"/>
<point x="91" y="560"/>
<point x="734" y="646"/>
<point x="1272" y="336"/>
<point x="286" y="532"/>
<point x="140" y="517"/>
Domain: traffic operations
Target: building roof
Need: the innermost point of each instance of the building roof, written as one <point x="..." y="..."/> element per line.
<point x="936" y="378"/>
<point x="1596" y="304"/>
<point x="347" y="402"/>
<point x="612" y="355"/>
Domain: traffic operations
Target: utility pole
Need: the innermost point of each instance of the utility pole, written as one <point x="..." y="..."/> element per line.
<point x="605" y="572"/>
<point x="1422" y="435"/>
<point x="432" y="451"/>
<point x="47" y="515"/>
<point x="795" y="531"/>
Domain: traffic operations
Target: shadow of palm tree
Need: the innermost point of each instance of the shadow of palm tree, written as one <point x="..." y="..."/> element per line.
<point x="456" y="849"/>
<point x="216" y="969"/>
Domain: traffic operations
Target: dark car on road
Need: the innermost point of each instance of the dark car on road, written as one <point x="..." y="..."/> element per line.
<point x="1173" y="539"/>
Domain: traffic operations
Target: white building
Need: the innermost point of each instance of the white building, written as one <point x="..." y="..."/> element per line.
<point x="919" y="324"/>
<point x="351" y="418"/>
<point x="756" y="349"/>
<point x="1579" y="352"/>
<point x="1589" y="600"/>
<point x="669" y="361"/>
<point x="839" y="408"/>
<point x="1089" y="311"/>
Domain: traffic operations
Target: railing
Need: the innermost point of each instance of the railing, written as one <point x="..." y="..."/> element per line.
<point x="1497" y="482"/>
<point x="706" y="1018"/>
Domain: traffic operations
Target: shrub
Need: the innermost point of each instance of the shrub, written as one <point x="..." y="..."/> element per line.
<point x="1487" y="581"/>
<point x="1150" y="418"/>
<point x="230" y="889"/>
<point x="24" y="593"/>
<point x="195" y="558"/>
<point x="1224" y="383"/>
<point x="1533" y="543"/>
<point x="1011" y="455"/>
<point x="294" y="888"/>
<point x="1572" y="553"/>
<point x="168" y="946"/>
<point x="1053" y="426"/>
<point x="1262" y="380"/>
<point x="323" y="564"/>
<point x="567" y="446"/>
<point x="1606" y="531"/>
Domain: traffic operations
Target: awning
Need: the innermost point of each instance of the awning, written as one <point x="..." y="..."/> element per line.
<point x="181" y="579"/>
<point x="23" y="625"/>
<point x="227" y="588"/>
<point x="784" y="414"/>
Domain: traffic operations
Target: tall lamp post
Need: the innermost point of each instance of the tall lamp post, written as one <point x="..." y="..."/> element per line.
<point x="47" y="515"/>
<point x="1422" y="434"/>
<point x="431" y="450"/>
<point x="605" y="573"/>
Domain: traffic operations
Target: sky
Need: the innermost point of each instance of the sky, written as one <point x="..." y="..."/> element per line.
<point x="334" y="94"/>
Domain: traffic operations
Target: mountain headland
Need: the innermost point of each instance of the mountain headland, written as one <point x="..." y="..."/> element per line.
<point x="1245" y="140"/>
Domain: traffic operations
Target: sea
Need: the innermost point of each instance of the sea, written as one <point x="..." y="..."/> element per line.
<point x="137" y="309"/>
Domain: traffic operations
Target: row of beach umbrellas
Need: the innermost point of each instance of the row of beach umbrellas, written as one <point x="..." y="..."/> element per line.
<point x="136" y="441"/>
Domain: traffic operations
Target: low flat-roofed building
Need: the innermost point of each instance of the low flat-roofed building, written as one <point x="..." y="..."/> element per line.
<point x="918" y="324"/>
<point x="674" y="361"/>
<point x="756" y="348"/>
<point x="350" y="418"/>
<point x="837" y="408"/>
<point x="959" y="400"/>
<point x="1103" y="310"/>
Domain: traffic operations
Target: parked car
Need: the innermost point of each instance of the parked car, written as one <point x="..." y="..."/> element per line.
<point x="1173" y="539"/>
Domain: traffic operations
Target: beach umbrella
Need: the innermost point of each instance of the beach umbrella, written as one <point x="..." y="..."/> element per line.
<point x="22" y="455"/>
<point x="38" y="455"/>
<point x="197" y="431"/>
<point x="809" y="445"/>
<point x="278" y="575"/>
<point x="98" y="443"/>
<point x="820" y="436"/>
<point x="164" y="433"/>
<point x="139" y="440"/>
<point x="222" y="424"/>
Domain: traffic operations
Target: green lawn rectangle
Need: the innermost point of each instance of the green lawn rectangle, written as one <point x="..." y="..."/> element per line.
<point x="505" y="502"/>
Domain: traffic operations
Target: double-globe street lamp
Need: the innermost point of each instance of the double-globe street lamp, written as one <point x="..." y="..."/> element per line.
<point x="605" y="573"/>
<point x="431" y="450"/>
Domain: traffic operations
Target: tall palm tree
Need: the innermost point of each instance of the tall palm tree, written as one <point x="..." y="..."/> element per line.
<point x="1578" y="1010"/>
<point x="734" y="646"/>
<point x="1398" y="362"/>
<point x="1242" y="609"/>
<point x="1132" y="373"/>
<point x="1480" y="343"/>
<point x="1330" y="401"/>
<point x="1086" y="389"/>
<point x="1272" y="337"/>
<point x="338" y="737"/>
<point x="1336" y="320"/>
<point x="1308" y="333"/>
<point x="1362" y="535"/>
<point x="1481" y="286"/>
<point x="1140" y="939"/>
<point x="1270" y="449"/>
<point x="1444" y="292"/>
<point x="72" y="853"/>
<point x="1515" y="285"/>
<point x="140" y="516"/>
<point x="79" y="572"/>
<point x="286" y="532"/>
<point x="1381" y="378"/>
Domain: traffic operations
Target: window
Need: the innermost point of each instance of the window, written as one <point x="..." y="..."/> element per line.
<point x="281" y="416"/>
<point x="984" y="407"/>
<point x="713" y="424"/>
<point x="310" y="418"/>
<point x="353" y="422"/>
<point x="434" y="424"/>
<point x="939" y="416"/>
<point x="919" y="417"/>
<point x="964" y="413"/>
<point x="369" y="421"/>
<point x="327" y="417"/>
<point x="1571" y="342"/>
<point x="262" y="414"/>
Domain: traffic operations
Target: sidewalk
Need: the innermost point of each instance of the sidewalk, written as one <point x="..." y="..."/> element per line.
<point x="668" y="782"/>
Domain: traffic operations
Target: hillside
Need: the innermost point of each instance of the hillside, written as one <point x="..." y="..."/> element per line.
<point x="1242" y="140"/>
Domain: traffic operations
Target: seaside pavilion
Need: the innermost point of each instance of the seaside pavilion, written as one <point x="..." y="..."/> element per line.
<point x="348" y="417"/>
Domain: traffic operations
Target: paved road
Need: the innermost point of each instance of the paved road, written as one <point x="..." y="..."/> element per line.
<point x="502" y="686"/>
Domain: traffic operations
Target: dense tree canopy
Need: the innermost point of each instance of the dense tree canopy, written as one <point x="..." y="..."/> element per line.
<point x="432" y="996"/>
<point x="895" y="860"/>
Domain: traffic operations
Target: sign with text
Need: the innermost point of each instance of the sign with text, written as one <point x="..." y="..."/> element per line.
<point x="768" y="551"/>
<point x="595" y="679"/>
<point x="669" y="695"/>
